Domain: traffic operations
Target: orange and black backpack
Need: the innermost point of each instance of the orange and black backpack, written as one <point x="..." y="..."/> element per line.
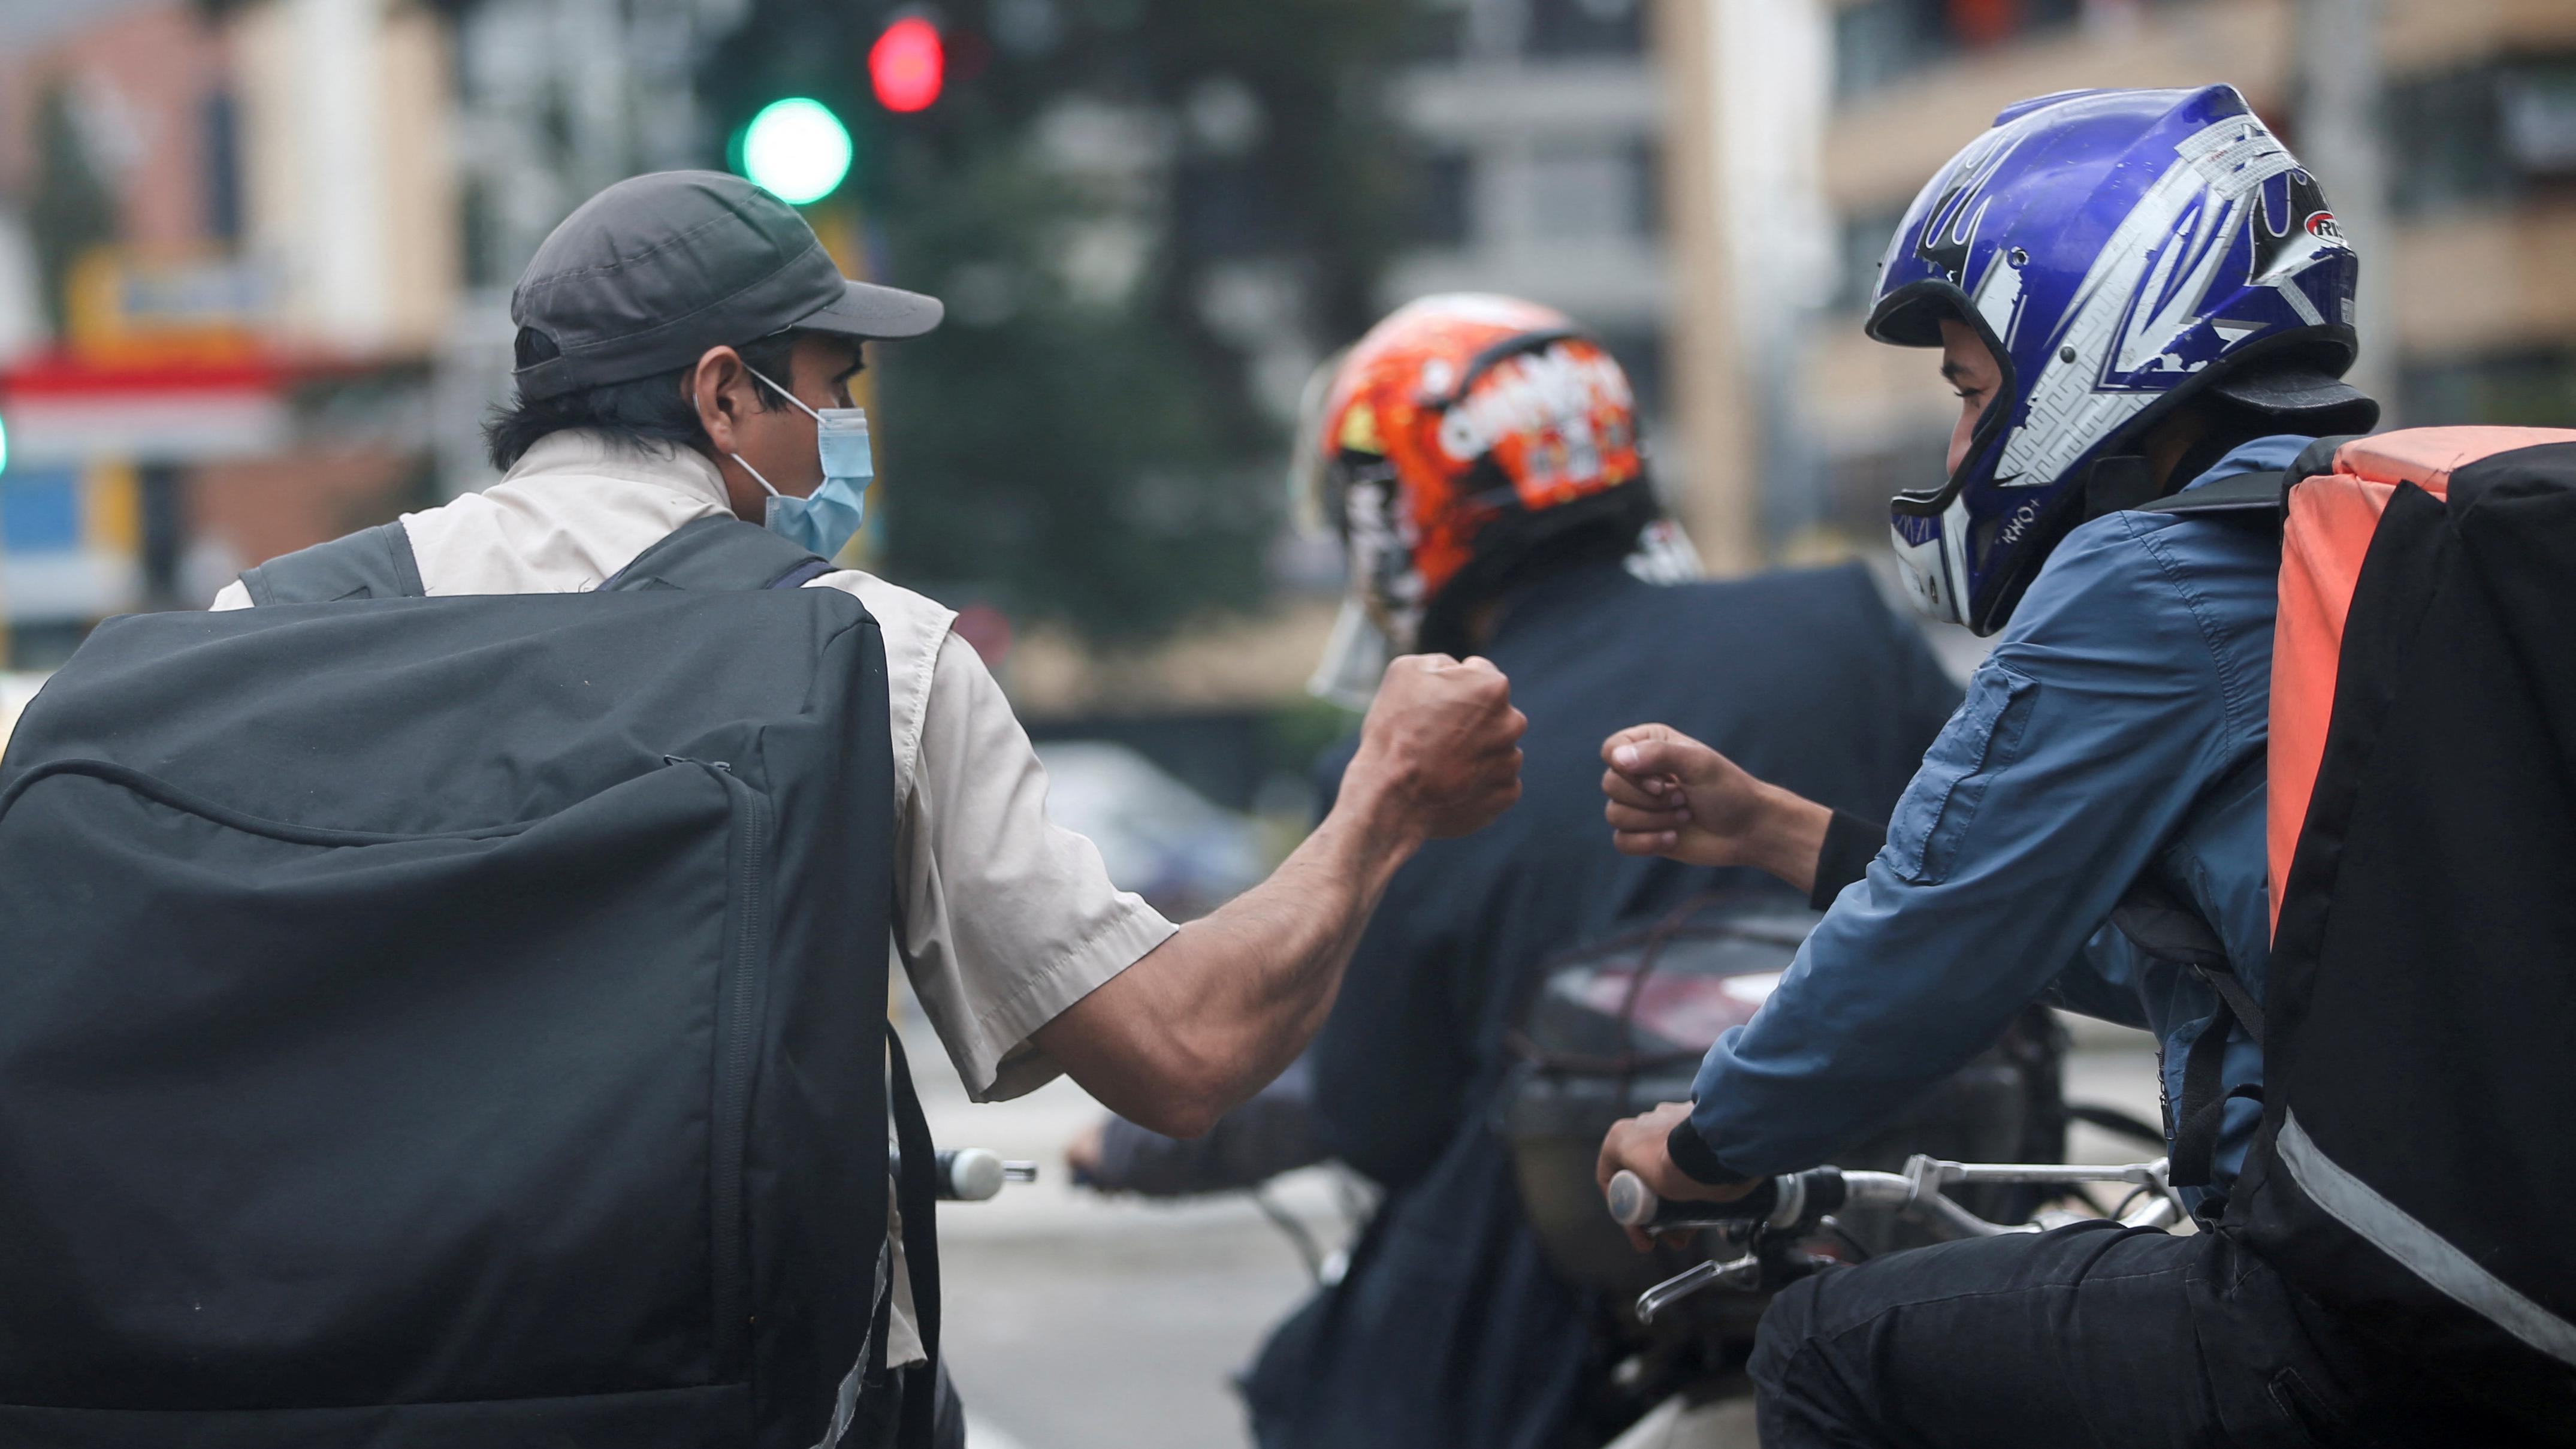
<point x="2417" y="1152"/>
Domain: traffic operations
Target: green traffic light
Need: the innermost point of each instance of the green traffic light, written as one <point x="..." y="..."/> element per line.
<point x="796" y="150"/>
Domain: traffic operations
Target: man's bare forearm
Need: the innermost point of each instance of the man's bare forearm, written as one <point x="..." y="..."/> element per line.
<point x="1217" y="1010"/>
<point x="1223" y="1006"/>
<point x="1277" y="952"/>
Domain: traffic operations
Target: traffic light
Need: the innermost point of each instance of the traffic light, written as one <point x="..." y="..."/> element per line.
<point x="796" y="150"/>
<point x="907" y="65"/>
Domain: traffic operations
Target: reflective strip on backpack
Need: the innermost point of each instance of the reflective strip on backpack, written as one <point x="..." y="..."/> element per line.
<point x="2427" y="1254"/>
<point x="845" y="1404"/>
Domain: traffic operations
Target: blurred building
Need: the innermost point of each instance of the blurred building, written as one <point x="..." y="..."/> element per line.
<point x="2456" y="180"/>
<point x="1536" y="127"/>
<point x="1538" y="122"/>
<point x="1543" y="126"/>
<point x="226" y="245"/>
<point x="554" y="101"/>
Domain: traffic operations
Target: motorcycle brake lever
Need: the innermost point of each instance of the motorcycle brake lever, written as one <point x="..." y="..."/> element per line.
<point x="1741" y="1273"/>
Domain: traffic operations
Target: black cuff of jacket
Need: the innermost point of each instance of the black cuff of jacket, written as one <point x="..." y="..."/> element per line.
<point x="1691" y="1153"/>
<point x="1851" y="843"/>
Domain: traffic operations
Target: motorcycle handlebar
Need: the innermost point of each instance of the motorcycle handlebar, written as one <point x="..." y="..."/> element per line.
<point x="967" y="1174"/>
<point x="1798" y="1200"/>
<point x="1798" y="1203"/>
<point x="1786" y="1201"/>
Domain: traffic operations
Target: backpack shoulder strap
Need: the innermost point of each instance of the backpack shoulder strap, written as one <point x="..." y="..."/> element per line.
<point x="2167" y="925"/>
<point x="2319" y="456"/>
<point x="720" y="554"/>
<point x="373" y="563"/>
<point x="2245" y="495"/>
<point x="917" y="1199"/>
<point x="2162" y="921"/>
<point x="2250" y="497"/>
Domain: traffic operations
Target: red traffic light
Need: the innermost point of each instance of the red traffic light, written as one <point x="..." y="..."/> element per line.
<point x="907" y="65"/>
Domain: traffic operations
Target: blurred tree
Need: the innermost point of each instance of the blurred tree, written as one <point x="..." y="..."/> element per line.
<point x="1146" y="216"/>
<point x="72" y="211"/>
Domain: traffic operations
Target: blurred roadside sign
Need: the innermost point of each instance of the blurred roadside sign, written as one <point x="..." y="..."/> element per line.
<point x="163" y="359"/>
<point x="63" y="409"/>
<point x="138" y="308"/>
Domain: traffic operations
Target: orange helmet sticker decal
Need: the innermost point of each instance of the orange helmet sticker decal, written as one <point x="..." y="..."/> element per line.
<point x="1448" y="387"/>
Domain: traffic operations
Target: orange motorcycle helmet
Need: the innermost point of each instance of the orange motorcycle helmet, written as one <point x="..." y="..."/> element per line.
<point x="1461" y="438"/>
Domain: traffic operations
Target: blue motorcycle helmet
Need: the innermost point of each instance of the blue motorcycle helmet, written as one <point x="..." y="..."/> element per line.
<point x="2123" y="253"/>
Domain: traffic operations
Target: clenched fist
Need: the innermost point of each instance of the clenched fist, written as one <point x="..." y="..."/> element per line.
<point x="1670" y="795"/>
<point x="1443" y="741"/>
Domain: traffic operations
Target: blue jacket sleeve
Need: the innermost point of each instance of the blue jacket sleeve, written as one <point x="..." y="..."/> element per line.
<point x="2084" y="739"/>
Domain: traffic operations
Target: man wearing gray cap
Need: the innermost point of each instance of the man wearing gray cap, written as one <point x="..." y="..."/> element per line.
<point x="684" y="351"/>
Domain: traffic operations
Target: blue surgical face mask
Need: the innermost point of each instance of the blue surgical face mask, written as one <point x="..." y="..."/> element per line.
<point x="829" y="518"/>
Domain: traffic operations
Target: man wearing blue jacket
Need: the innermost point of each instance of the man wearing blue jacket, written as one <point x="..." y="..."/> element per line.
<point x="2134" y="293"/>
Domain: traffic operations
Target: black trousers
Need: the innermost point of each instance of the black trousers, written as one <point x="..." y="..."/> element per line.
<point x="2088" y="1337"/>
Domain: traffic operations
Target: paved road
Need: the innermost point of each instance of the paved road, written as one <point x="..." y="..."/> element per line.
<point x="1075" y="1322"/>
<point x="1080" y="1322"/>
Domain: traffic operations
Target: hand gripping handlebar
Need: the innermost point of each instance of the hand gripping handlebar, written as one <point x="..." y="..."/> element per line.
<point x="1792" y="1201"/>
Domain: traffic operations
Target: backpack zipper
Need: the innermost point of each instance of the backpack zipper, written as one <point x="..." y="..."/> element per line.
<point x="740" y="991"/>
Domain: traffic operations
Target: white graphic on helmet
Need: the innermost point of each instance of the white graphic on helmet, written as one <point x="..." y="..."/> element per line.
<point x="1999" y="301"/>
<point x="2149" y="288"/>
<point x="2146" y="342"/>
<point x="2235" y="156"/>
<point x="1384" y="576"/>
<point x="1554" y="391"/>
<point x="1950" y="225"/>
<point x="1918" y="565"/>
<point x="1932" y="570"/>
<point x="1665" y="555"/>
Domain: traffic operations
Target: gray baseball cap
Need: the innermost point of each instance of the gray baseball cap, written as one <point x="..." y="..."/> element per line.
<point x="650" y="273"/>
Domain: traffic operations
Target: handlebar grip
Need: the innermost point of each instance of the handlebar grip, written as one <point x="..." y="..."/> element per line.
<point x="966" y="1174"/>
<point x="1632" y="1203"/>
<point x="1635" y="1205"/>
<point x="969" y="1174"/>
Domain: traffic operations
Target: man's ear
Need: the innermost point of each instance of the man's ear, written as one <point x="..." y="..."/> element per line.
<point x="720" y="388"/>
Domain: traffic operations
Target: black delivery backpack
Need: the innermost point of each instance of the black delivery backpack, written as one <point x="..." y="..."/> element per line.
<point x="454" y="1023"/>
<point x="2419" y="1029"/>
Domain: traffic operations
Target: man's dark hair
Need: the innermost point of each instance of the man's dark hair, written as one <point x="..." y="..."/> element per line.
<point x="653" y="413"/>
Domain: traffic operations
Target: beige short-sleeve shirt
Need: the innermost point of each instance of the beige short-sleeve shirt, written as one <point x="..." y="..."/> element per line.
<point x="1003" y="919"/>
